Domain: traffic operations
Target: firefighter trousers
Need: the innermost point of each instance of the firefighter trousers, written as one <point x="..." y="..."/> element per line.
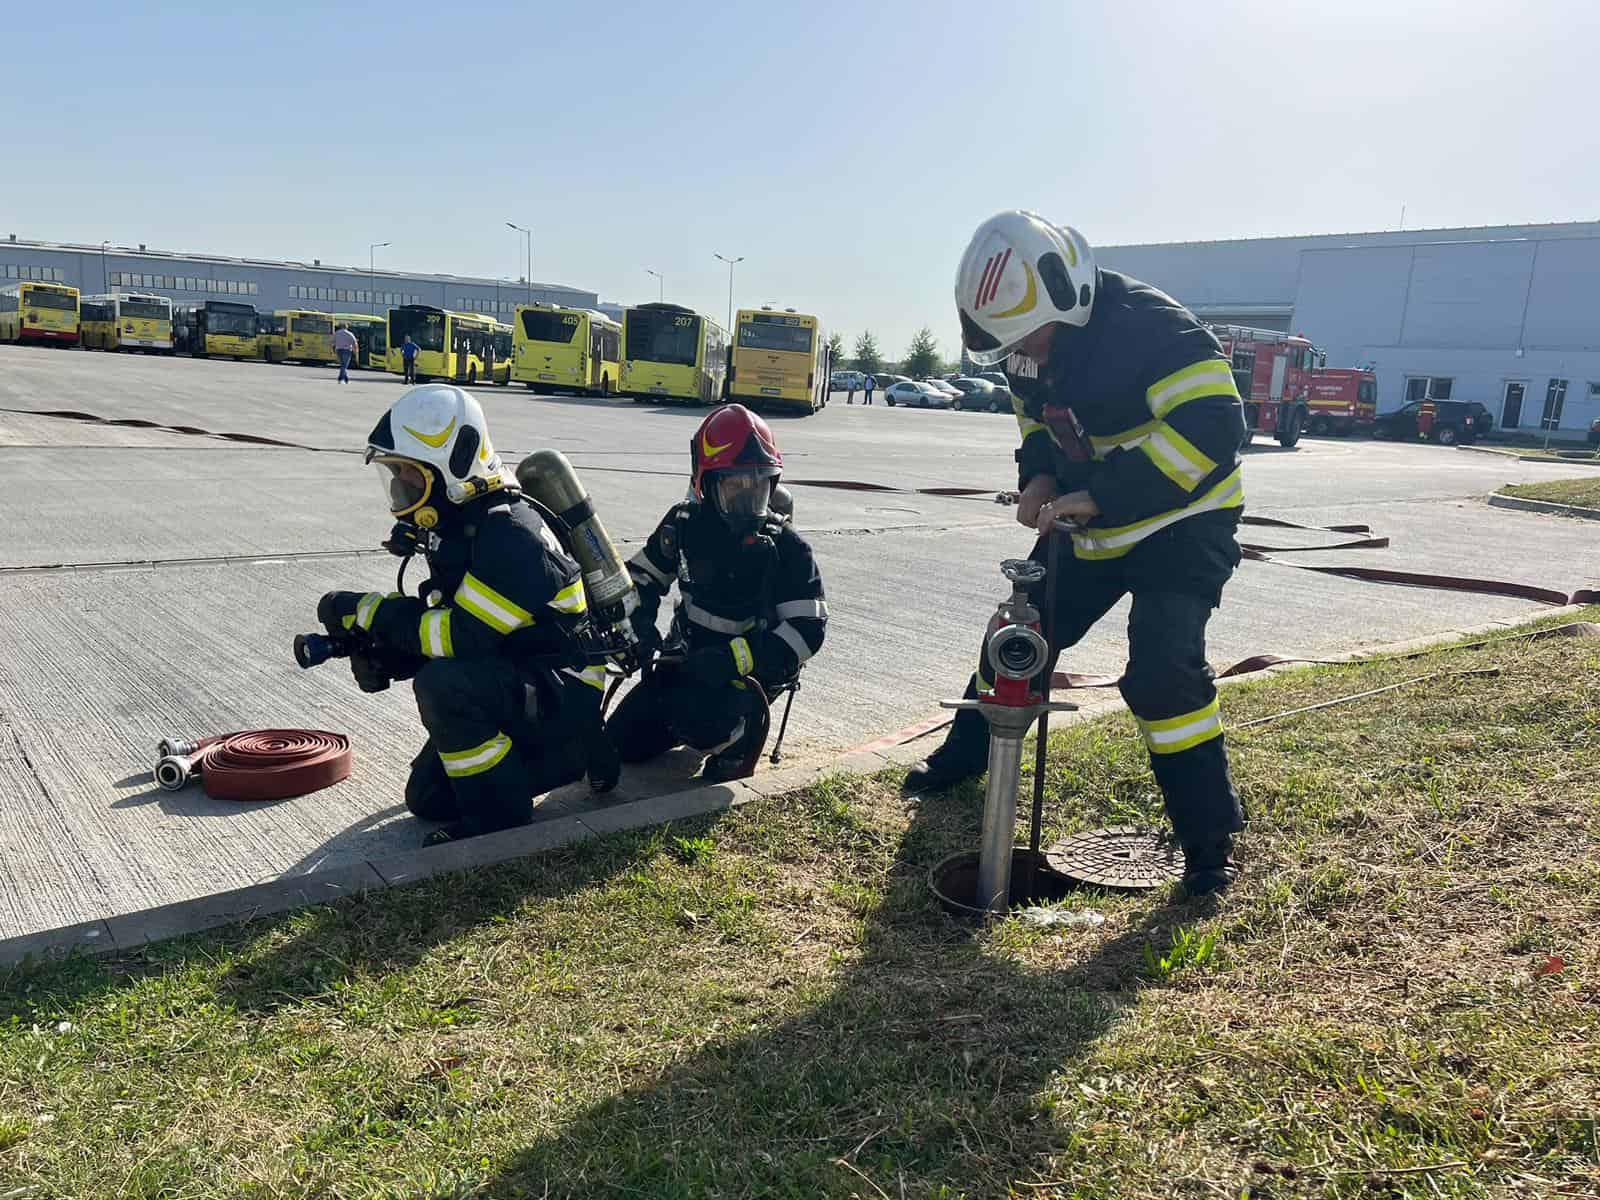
<point x="489" y="750"/>
<point x="669" y="709"/>
<point x="1175" y="577"/>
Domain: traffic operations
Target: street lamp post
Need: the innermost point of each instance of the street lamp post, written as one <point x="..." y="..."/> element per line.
<point x="104" y="286"/>
<point x="661" y="282"/>
<point x="529" y="234"/>
<point x="730" y="262"/>
<point x="372" y="274"/>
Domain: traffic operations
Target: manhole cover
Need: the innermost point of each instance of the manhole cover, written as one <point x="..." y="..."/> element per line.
<point x="1122" y="858"/>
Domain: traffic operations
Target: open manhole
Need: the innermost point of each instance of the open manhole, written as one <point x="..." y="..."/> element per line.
<point x="954" y="883"/>
<point x="1121" y="858"/>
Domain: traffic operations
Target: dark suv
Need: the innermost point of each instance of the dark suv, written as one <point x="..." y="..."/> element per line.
<point x="1463" y="421"/>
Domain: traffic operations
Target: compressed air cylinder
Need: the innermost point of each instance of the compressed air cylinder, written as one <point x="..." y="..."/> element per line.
<point x="548" y="477"/>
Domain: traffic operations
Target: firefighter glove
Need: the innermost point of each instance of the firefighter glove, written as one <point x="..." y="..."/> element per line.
<point x="714" y="666"/>
<point x="368" y="672"/>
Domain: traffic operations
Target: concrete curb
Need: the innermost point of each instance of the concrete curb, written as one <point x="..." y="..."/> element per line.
<point x="1533" y="458"/>
<point x="128" y="932"/>
<point x="1501" y="500"/>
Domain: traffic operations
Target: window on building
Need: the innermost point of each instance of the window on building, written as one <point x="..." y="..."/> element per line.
<point x="1555" y="399"/>
<point x="1594" y="393"/>
<point x="1421" y="387"/>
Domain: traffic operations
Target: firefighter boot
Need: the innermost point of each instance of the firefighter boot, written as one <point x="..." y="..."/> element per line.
<point x="964" y="755"/>
<point x="1209" y="869"/>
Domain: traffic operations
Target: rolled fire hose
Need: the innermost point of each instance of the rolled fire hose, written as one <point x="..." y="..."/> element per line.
<point x="256" y="764"/>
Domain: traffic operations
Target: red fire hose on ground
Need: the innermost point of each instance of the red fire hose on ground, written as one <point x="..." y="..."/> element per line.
<point x="256" y="764"/>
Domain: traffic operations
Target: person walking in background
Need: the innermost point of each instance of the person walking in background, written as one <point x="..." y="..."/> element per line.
<point x="344" y="345"/>
<point x="867" y="385"/>
<point x="851" y="398"/>
<point x="408" y="358"/>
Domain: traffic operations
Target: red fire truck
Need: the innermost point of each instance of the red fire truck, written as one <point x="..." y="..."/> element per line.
<point x="1273" y="371"/>
<point x="1343" y="400"/>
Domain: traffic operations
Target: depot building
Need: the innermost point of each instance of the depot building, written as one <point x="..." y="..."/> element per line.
<point x="266" y="284"/>
<point x="1505" y="315"/>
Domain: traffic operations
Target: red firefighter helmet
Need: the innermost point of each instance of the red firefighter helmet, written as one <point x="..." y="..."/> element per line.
<point x="734" y="452"/>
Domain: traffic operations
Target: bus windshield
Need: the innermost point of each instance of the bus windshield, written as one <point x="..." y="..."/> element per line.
<point x="663" y="337"/>
<point x="310" y="325"/>
<point x="424" y="328"/>
<point x="236" y="323"/>
<point x="152" y="309"/>
<point x="549" y="326"/>
<point x="40" y="298"/>
<point x="760" y="334"/>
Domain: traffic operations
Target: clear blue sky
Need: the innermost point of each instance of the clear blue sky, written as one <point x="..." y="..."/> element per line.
<point x="846" y="150"/>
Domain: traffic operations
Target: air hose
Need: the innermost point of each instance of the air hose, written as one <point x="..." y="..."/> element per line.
<point x="256" y="764"/>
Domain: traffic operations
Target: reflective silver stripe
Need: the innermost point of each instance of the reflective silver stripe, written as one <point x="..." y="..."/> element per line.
<point x="790" y="636"/>
<point x="642" y="561"/>
<point x="715" y="623"/>
<point x="803" y="608"/>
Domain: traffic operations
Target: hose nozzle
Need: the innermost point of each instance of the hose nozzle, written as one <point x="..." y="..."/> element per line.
<point x="174" y="771"/>
<point x="169" y="747"/>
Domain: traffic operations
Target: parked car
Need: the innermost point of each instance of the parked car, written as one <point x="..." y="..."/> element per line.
<point x="916" y="395"/>
<point x="1594" y="432"/>
<point x="1453" y="421"/>
<point x="843" y="381"/>
<point x="1001" y="385"/>
<point x="979" y="394"/>
<point x="885" y="381"/>
<point x="949" y="389"/>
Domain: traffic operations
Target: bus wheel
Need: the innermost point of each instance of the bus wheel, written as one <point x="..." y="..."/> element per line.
<point x="529" y="386"/>
<point x="605" y="385"/>
<point x="472" y="375"/>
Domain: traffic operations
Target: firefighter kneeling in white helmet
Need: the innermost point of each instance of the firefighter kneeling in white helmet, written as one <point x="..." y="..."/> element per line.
<point x="495" y="643"/>
<point x="1131" y="427"/>
<point x="750" y="612"/>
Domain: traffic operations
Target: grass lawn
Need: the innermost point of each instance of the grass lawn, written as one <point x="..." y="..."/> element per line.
<point x="1584" y="492"/>
<point x="1401" y="998"/>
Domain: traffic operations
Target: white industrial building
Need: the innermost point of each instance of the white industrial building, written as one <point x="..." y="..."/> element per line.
<point x="1505" y="315"/>
<point x="268" y="284"/>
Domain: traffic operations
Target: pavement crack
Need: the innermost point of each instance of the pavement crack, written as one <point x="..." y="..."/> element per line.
<point x="27" y="759"/>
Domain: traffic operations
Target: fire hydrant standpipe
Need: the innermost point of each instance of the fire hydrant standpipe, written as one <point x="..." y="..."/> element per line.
<point x="1020" y="657"/>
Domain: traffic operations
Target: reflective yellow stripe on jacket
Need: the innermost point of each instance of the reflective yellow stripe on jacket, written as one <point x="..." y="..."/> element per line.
<point x="1115" y="542"/>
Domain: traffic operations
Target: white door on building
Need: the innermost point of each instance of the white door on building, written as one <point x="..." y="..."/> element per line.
<point x="1511" y="403"/>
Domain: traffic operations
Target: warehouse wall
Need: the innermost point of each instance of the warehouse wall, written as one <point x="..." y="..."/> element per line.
<point x="1479" y="313"/>
<point x="271" y="282"/>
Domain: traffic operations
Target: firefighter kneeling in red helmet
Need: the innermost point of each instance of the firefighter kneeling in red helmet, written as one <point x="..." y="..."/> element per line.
<point x="750" y="606"/>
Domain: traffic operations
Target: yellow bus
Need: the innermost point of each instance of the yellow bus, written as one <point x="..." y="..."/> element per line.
<point x="124" y="321"/>
<point x="501" y="367"/>
<point x="219" y="327"/>
<point x="672" y="353"/>
<point x="779" y="360"/>
<point x="39" y="312"/>
<point x="372" y="338"/>
<point x="571" y="349"/>
<point x="450" y="345"/>
<point x="307" y="337"/>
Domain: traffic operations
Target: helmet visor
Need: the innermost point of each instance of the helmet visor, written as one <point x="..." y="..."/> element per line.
<point x="983" y="347"/>
<point x="743" y="495"/>
<point x="406" y="484"/>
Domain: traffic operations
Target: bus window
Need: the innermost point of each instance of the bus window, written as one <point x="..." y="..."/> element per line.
<point x="555" y="327"/>
<point x="663" y="337"/>
<point x="762" y="335"/>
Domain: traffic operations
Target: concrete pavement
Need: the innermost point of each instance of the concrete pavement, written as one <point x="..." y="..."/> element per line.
<point x="152" y="582"/>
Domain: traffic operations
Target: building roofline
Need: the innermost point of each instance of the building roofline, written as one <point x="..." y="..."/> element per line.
<point x="277" y="264"/>
<point x="1592" y="226"/>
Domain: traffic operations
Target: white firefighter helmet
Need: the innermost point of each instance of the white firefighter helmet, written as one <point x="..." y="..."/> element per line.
<point x="433" y="440"/>
<point x="1019" y="274"/>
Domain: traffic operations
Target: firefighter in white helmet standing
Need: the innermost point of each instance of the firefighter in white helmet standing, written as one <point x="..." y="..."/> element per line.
<point x="1131" y="427"/>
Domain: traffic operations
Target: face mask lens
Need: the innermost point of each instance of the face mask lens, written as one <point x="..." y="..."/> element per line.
<point x="743" y="494"/>
<point x="405" y="484"/>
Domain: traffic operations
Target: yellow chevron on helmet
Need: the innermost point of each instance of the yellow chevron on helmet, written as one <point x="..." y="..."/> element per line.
<point x="1019" y="274"/>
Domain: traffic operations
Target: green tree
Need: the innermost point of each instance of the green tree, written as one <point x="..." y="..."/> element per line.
<point x="835" y="351"/>
<point x="868" y="356"/>
<point x="922" y="359"/>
